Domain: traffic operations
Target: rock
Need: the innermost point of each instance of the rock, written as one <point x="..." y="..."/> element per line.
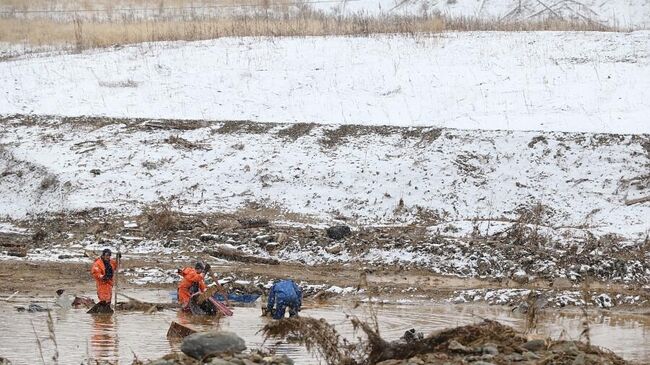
<point x="334" y="249"/>
<point x="415" y="361"/>
<point x="528" y="356"/>
<point x="579" y="360"/>
<point x="263" y="239"/>
<point x="162" y="362"/>
<point x="207" y="237"/>
<point x="271" y="246"/>
<point x="17" y="252"/>
<point x="95" y="172"/>
<point x="561" y="284"/>
<point x="455" y="346"/>
<point x="490" y="348"/>
<point x="604" y="301"/>
<point x="198" y="345"/>
<point x="281" y="237"/>
<point x="514" y="357"/>
<point x="411" y="336"/>
<point x="338" y="232"/>
<point x="567" y="347"/>
<point x="282" y="359"/>
<point x="391" y="362"/>
<point x="534" y="345"/>
<point x="238" y="361"/>
<point x="520" y="277"/>
<point x="4" y="361"/>
<point x="482" y="363"/>
<point x="218" y="361"/>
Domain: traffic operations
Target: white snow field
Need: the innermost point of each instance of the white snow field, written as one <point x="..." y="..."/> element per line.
<point x="546" y="81"/>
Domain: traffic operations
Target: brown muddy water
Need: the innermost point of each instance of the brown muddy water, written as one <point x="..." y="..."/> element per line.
<point x="82" y="338"/>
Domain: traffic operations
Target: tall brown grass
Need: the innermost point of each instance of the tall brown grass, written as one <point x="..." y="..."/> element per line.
<point x="83" y="34"/>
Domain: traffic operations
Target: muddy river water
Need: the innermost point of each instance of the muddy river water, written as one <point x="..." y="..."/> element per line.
<point x="81" y="337"/>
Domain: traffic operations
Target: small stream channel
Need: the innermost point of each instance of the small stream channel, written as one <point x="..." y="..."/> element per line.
<point x="81" y="337"/>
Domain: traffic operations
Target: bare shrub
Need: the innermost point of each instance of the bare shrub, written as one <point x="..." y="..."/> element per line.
<point x="182" y="143"/>
<point x="162" y="218"/>
<point x="118" y="84"/>
<point x="49" y="181"/>
<point x="316" y="335"/>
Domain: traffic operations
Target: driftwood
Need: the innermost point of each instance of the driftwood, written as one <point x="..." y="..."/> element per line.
<point x="178" y="331"/>
<point x="638" y="200"/>
<point x="234" y="255"/>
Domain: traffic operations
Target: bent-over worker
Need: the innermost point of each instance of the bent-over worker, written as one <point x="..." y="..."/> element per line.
<point x="192" y="282"/>
<point x="283" y="294"/>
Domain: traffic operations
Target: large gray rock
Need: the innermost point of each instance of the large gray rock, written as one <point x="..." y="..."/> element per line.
<point x="534" y="345"/>
<point x="199" y="345"/>
<point x="162" y="362"/>
<point x="338" y="232"/>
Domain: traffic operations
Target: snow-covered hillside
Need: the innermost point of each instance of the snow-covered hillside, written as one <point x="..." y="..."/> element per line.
<point x="550" y="81"/>
<point x="583" y="181"/>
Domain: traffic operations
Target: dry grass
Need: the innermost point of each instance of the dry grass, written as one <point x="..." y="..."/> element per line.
<point x="84" y="34"/>
<point x="161" y="218"/>
<point x="316" y="335"/>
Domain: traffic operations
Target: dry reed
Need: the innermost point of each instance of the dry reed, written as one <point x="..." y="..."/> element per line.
<point x="83" y="34"/>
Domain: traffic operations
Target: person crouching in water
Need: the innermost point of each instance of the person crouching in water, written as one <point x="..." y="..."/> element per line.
<point x="283" y="294"/>
<point x="192" y="282"/>
<point x="103" y="270"/>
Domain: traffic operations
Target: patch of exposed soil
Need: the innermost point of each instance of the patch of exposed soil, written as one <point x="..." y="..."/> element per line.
<point x="295" y="131"/>
<point x="232" y="127"/>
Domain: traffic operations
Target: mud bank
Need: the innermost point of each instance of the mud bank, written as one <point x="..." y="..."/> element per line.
<point x="399" y="262"/>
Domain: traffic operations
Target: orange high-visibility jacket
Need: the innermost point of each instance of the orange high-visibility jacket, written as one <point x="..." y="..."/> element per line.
<point x="190" y="276"/>
<point x="104" y="288"/>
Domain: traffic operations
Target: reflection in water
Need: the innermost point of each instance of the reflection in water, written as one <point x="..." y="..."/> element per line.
<point x="103" y="338"/>
<point x="117" y="338"/>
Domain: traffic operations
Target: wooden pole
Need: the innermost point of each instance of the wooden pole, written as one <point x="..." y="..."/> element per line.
<point x="118" y="256"/>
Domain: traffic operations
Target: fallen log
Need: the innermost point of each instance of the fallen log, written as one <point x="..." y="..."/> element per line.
<point x="234" y="255"/>
<point x="638" y="200"/>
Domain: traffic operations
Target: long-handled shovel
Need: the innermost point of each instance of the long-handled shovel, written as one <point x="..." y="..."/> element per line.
<point x="207" y="295"/>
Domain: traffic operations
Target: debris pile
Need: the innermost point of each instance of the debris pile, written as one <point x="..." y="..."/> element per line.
<point x="488" y="342"/>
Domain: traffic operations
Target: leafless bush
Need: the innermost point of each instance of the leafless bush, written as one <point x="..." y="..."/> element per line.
<point x="118" y="84"/>
<point x="49" y="181"/>
<point x="182" y="143"/>
<point x="162" y="218"/>
<point x="316" y="335"/>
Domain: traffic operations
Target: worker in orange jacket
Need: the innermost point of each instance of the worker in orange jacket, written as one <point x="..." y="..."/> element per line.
<point x="192" y="282"/>
<point x="103" y="270"/>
